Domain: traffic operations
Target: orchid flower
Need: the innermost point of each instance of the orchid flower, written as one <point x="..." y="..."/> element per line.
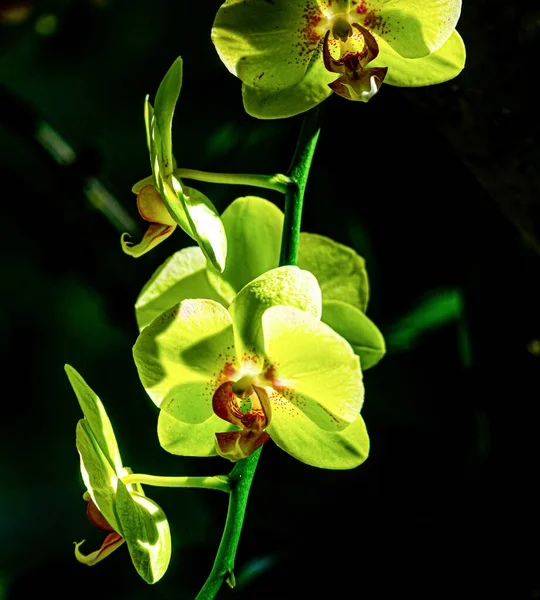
<point x="123" y="510"/>
<point x="292" y="54"/>
<point x="339" y="270"/>
<point x="163" y="199"/>
<point x="227" y="380"/>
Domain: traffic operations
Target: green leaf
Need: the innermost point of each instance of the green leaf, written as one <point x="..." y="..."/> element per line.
<point x="436" y="309"/>
<point x="165" y="103"/>
<point x="96" y="417"/>
<point x="361" y="333"/>
<point x="99" y="477"/>
<point x="413" y="28"/>
<point x="186" y="439"/>
<point x="287" y="286"/>
<point x="281" y="103"/>
<point x="340" y="271"/>
<point x="181" y="276"/>
<point x="307" y="442"/>
<point x="146" y="531"/>
<point x="265" y="43"/>
<point x="182" y="355"/>
<point x="313" y="368"/>
<point x="444" y="64"/>
<point x="253" y="227"/>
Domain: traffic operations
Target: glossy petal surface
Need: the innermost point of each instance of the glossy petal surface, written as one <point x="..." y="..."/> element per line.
<point x="186" y="439"/>
<point x="181" y="276"/>
<point x="305" y="441"/>
<point x="360" y="331"/>
<point x="314" y="370"/>
<point x="181" y="355"/>
<point x="253" y="228"/>
<point x="268" y="45"/>
<point x="413" y="28"/>
<point x="287" y="286"/>
<point x="310" y="91"/>
<point x="147" y="533"/>
<point x="340" y="271"/>
<point x="443" y="65"/>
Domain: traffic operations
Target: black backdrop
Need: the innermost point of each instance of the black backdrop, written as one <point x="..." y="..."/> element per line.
<point x="436" y="187"/>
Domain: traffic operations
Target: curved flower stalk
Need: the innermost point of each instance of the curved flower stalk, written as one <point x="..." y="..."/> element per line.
<point x="122" y="510"/>
<point x="292" y="54"/>
<point x="228" y="380"/>
<point x="163" y="199"/>
<point x="253" y="250"/>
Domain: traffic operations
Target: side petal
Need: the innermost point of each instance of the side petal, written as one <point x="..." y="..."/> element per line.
<point x="205" y="225"/>
<point x="414" y="28"/>
<point x="313" y="367"/>
<point x="443" y="65"/>
<point x="340" y="271"/>
<point x="360" y="331"/>
<point x="303" y="440"/>
<point x="154" y="235"/>
<point x="310" y="91"/>
<point x="100" y="479"/>
<point x="147" y="533"/>
<point x="164" y="105"/>
<point x="253" y="227"/>
<point x="288" y="286"/>
<point x="183" y="355"/>
<point x="110" y="544"/>
<point x="186" y="439"/>
<point x="181" y="276"/>
<point x="96" y="417"/>
<point x="268" y="45"/>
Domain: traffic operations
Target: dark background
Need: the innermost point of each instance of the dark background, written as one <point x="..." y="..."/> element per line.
<point x="438" y="189"/>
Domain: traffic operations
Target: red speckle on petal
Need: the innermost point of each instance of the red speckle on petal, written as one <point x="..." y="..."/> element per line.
<point x="362" y="8"/>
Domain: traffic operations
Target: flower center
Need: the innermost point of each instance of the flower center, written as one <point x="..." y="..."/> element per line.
<point x="244" y="403"/>
<point x="341" y="28"/>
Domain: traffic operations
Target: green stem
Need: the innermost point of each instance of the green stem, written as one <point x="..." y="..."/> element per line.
<point x="242" y="474"/>
<point x="277" y="182"/>
<point x="217" y="482"/>
<point x="298" y="173"/>
<point x="240" y="480"/>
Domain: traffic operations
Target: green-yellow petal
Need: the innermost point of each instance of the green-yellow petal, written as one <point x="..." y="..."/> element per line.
<point x="205" y="224"/>
<point x="96" y="418"/>
<point x="314" y="370"/>
<point x="99" y="477"/>
<point x="164" y="105"/>
<point x="310" y="91"/>
<point x="414" y="28"/>
<point x="146" y="531"/>
<point x="182" y="355"/>
<point x="362" y="334"/>
<point x="253" y="227"/>
<point x="268" y="45"/>
<point x="340" y="271"/>
<point x="286" y="286"/>
<point x="181" y="276"/>
<point x="186" y="439"/>
<point x="305" y="441"/>
<point x="443" y="65"/>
